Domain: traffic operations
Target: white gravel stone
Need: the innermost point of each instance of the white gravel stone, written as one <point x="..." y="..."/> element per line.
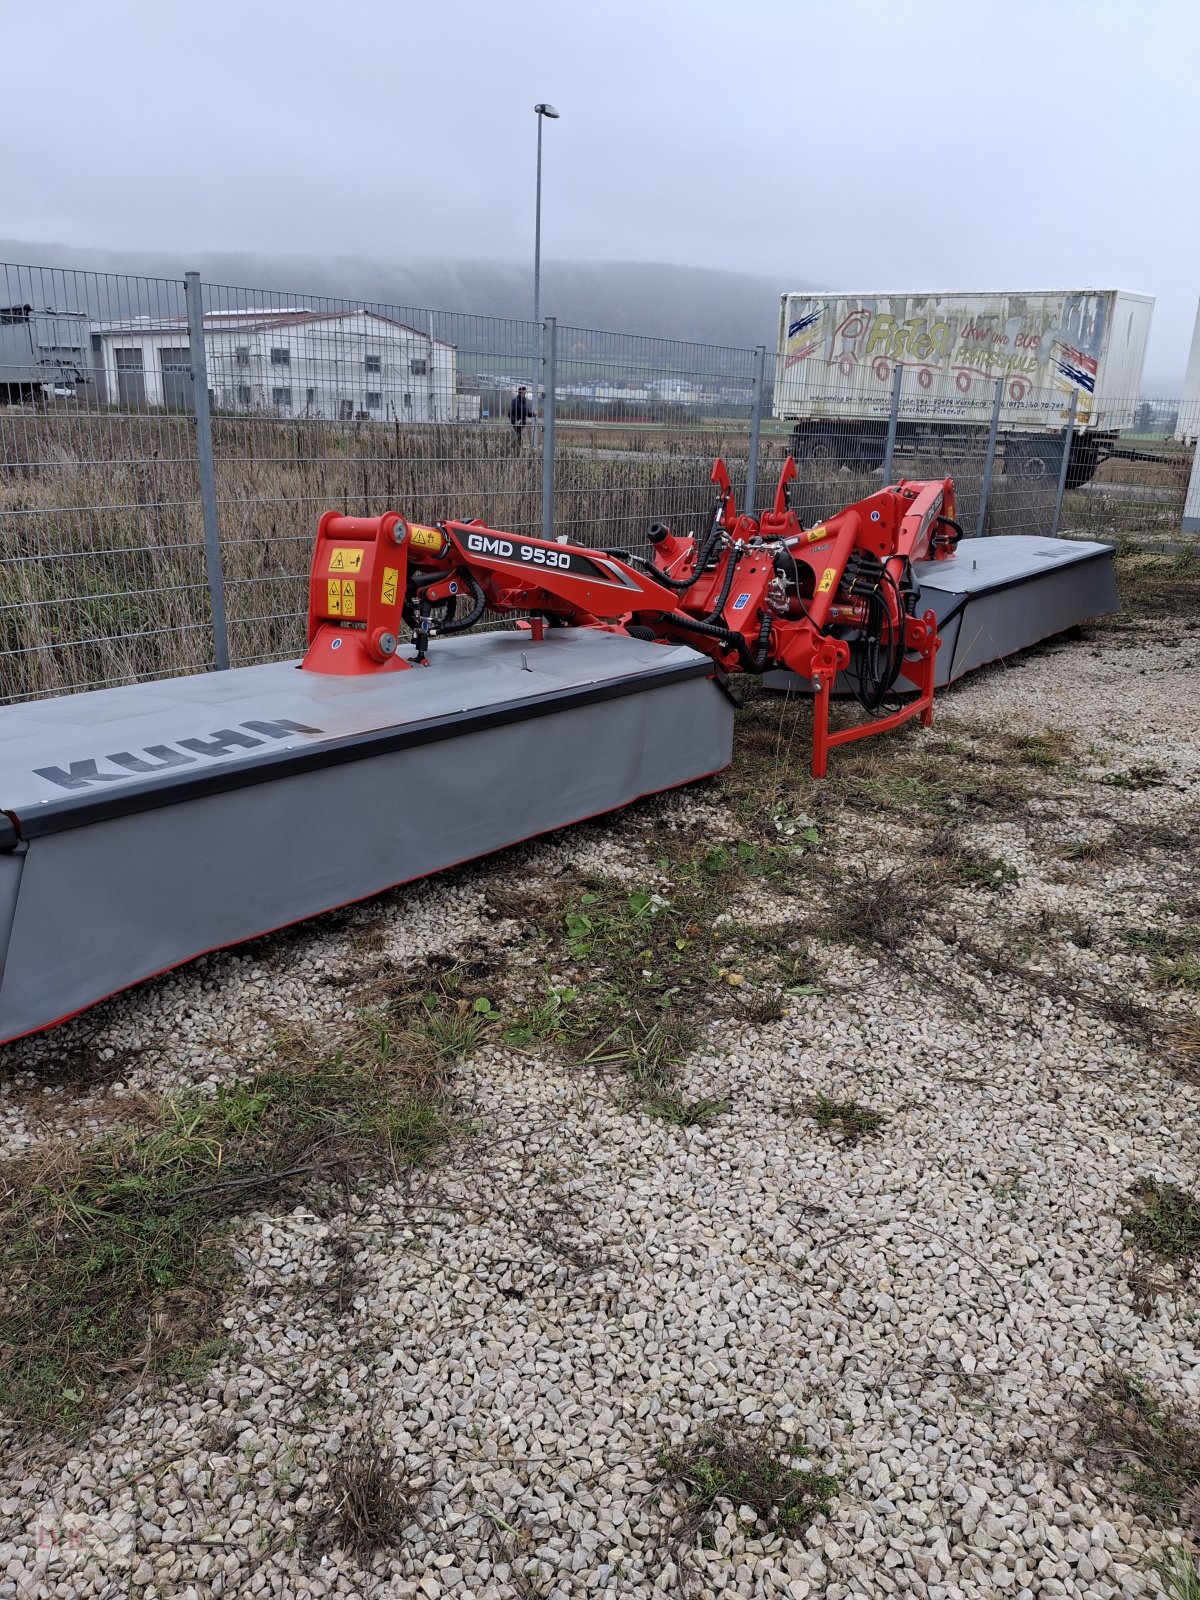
<point x="575" y="1286"/>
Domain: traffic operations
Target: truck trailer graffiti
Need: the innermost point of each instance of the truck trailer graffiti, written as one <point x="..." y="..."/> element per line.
<point x="838" y="354"/>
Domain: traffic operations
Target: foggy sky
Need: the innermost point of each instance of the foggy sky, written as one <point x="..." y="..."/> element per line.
<point x="974" y="144"/>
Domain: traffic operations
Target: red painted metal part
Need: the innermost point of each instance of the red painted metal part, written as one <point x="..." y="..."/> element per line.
<point x="356" y="587"/>
<point x="752" y="593"/>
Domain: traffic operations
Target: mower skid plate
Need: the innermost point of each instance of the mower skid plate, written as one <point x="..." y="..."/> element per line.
<point x="144" y="825"/>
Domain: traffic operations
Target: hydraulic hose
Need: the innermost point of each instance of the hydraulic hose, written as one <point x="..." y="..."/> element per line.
<point x="734" y="557"/>
<point x="679" y="585"/>
<point x="472" y="616"/>
<point x="949" y="522"/>
<point x="750" y="661"/>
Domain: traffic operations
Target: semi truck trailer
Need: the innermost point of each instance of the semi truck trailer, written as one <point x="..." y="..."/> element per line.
<point x="838" y="355"/>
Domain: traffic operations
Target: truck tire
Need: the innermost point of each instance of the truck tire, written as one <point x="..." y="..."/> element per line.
<point x="857" y="445"/>
<point x="816" y="444"/>
<point x="1039" y="459"/>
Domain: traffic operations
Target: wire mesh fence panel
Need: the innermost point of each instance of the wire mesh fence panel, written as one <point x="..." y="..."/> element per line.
<point x="639" y="422"/>
<point x="360" y="407"/>
<point x="1128" y="481"/>
<point x="324" y="404"/>
<point x="102" y="576"/>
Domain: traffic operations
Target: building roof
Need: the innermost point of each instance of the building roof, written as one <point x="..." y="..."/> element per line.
<point x="254" y="319"/>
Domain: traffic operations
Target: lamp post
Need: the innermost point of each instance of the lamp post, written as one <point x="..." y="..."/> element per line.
<point x="542" y="110"/>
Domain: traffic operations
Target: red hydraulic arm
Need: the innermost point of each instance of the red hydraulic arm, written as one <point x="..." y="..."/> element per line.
<point x="752" y="593"/>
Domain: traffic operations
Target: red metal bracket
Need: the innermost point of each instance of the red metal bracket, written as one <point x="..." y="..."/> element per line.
<point x="355" y="593"/>
<point x="924" y="636"/>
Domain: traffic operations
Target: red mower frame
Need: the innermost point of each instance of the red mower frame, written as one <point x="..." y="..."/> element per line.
<point x="838" y="599"/>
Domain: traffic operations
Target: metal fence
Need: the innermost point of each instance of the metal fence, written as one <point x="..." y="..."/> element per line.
<point x="167" y="446"/>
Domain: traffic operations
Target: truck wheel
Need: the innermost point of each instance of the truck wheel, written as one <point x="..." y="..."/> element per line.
<point x="809" y="444"/>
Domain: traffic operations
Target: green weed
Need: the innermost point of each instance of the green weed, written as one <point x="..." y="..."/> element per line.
<point x="1165" y="1222"/>
<point x="746" y="1469"/>
<point x="1049" y="748"/>
<point x="1150" y="1449"/>
<point x="1178" y="1573"/>
<point x="674" y="1108"/>
<point x="1148" y="775"/>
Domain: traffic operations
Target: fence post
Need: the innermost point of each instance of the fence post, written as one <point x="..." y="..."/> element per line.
<point x="986" y="487"/>
<point x="1066" y="462"/>
<point x="760" y="369"/>
<point x="549" y="380"/>
<point x="893" y="419"/>
<point x="1191" y="502"/>
<point x="208" y="477"/>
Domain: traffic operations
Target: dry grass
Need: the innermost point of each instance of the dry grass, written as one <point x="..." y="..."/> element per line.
<point x="1147" y="1448"/>
<point x="102" y="575"/>
<point x="366" y="1506"/>
<point x="1182" y="1044"/>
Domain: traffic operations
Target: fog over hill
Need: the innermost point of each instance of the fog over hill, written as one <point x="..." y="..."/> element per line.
<point x="670" y="302"/>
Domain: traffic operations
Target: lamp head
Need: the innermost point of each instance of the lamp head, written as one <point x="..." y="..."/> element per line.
<point x="544" y="110"/>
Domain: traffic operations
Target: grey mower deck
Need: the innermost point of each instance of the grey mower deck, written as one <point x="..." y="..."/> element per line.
<point x="143" y="825"/>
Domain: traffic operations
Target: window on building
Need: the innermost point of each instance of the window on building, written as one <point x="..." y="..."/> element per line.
<point x="243" y="394"/>
<point x="242" y="353"/>
<point x="310" y="397"/>
<point x="345" y="410"/>
<point x="374" y="399"/>
<point x="281" y="356"/>
<point x="373" y="363"/>
<point x="407" y="401"/>
<point x="418" y="366"/>
<point x="282" y="398"/>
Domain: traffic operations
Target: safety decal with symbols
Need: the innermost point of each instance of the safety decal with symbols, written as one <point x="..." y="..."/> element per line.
<point x="345" y="558"/>
<point x="340" y="597"/>
<point x="391" y="582"/>
<point x="742" y="601"/>
<point x="828" y="579"/>
<point x="426" y="538"/>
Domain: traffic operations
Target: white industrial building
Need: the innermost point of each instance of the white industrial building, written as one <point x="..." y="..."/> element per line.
<point x="285" y="361"/>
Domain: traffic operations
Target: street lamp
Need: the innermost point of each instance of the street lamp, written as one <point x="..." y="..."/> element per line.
<point x="542" y="110"/>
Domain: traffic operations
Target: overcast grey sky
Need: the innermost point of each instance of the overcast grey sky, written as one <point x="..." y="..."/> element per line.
<point x="883" y="144"/>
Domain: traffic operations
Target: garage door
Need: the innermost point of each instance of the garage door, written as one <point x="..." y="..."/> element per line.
<point x="131" y="380"/>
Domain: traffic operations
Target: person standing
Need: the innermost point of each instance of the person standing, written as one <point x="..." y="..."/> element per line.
<point x="518" y="414"/>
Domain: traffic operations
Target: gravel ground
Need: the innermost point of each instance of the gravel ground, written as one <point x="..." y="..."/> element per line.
<point x="573" y="1285"/>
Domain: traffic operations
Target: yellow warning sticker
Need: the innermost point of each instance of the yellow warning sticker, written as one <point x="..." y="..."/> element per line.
<point x="333" y="603"/>
<point x="426" y="538"/>
<point x="345" y="558"/>
<point x="815" y="535"/>
<point x="391" y="581"/>
<point x="347" y="597"/>
<point x="828" y="579"/>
